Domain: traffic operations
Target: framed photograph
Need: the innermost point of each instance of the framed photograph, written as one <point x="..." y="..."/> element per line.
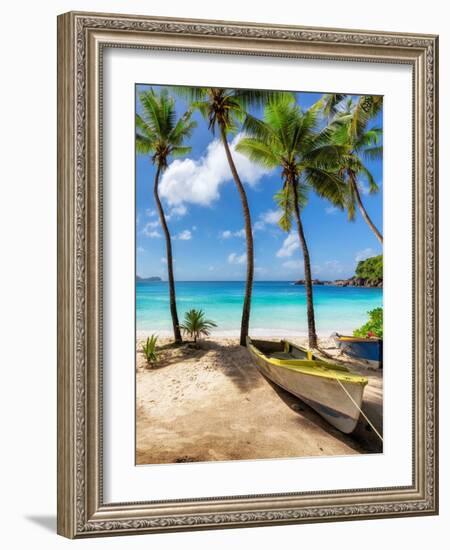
<point x="247" y="282"/>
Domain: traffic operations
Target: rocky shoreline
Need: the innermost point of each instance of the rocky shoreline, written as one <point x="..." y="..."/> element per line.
<point x="353" y="281"/>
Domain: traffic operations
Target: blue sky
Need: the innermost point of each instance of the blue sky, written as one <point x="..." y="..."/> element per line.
<point x="205" y="218"/>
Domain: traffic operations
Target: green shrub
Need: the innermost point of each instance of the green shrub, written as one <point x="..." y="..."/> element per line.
<point x="149" y="350"/>
<point x="374" y="326"/>
<point x="370" y="269"/>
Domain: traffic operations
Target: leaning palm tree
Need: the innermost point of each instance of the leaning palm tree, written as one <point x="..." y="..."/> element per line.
<point x="225" y="109"/>
<point x="290" y="139"/>
<point x="160" y="134"/>
<point x="351" y="130"/>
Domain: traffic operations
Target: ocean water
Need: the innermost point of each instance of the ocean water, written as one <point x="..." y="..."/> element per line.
<point x="278" y="308"/>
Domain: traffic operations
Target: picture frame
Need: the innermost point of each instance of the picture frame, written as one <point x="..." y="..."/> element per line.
<point x="82" y="40"/>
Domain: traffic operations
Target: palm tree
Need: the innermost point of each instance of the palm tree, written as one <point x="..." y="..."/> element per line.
<point x="160" y="134"/>
<point x="196" y="325"/>
<point x="225" y="109"/>
<point x="289" y="138"/>
<point x="351" y="129"/>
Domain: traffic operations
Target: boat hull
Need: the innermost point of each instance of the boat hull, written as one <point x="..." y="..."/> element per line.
<point x="326" y="395"/>
<point x="369" y="350"/>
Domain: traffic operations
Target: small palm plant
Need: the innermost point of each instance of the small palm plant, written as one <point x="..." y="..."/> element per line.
<point x="149" y="350"/>
<point x="196" y="325"/>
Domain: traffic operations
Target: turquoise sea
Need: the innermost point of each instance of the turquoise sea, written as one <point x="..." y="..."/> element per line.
<point x="278" y="307"/>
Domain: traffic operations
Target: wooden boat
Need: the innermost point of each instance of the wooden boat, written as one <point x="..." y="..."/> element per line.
<point x="369" y="350"/>
<point x="331" y="390"/>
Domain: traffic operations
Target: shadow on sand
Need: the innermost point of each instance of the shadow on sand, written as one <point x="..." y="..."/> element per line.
<point x="243" y="374"/>
<point x="174" y="353"/>
<point x="363" y="438"/>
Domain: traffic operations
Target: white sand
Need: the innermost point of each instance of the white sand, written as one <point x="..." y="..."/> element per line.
<point x="213" y="404"/>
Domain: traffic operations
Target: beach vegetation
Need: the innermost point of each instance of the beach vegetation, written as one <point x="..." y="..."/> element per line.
<point x="373" y="327"/>
<point x="371" y="269"/>
<point x="294" y="140"/>
<point x="160" y="135"/>
<point x="196" y="325"/>
<point x="149" y="350"/>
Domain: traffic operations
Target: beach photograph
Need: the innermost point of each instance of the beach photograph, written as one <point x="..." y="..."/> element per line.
<point x="259" y="274"/>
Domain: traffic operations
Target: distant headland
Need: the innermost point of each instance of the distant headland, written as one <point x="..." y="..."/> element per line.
<point x="148" y="279"/>
<point x="368" y="274"/>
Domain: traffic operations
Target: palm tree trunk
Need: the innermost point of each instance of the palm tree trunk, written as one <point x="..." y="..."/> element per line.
<point x="363" y="211"/>
<point x="249" y="241"/>
<point x="312" y="336"/>
<point x="170" y="277"/>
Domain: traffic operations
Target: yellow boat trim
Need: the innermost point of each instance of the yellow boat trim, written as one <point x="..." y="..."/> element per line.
<point x="356" y="339"/>
<point x="321" y="369"/>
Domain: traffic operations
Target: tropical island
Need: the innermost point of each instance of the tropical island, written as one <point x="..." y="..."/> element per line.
<point x="368" y="274"/>
<point x="148" y="279"/>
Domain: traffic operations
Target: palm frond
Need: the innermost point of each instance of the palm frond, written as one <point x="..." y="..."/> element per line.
<point x="158" y="132"/>
<point x="259" y="98"/>
<point x="190" y="93"/>
<point x="373" y="153"/>
<point x="149" y="103"/>
<point x="373" y="185"/>
<point x="258" y="152"/>
<point x="144" y="145"/>
<point x="144" y="129"/>
<point x="329" y="104"/>
<point x="328" y="185"/>
<point x="180" y="151"/>
<point x="350" y="204"/>
<point x="285" y="202"/>
<point x="258" y="129"/>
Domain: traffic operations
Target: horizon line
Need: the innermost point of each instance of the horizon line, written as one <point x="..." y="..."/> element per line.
<point x="143" y="279"/>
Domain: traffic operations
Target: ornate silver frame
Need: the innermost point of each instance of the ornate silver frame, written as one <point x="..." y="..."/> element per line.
<point x="81" y="510"/>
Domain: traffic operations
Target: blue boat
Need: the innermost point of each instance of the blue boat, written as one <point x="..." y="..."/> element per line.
<point x="368" y="350"/>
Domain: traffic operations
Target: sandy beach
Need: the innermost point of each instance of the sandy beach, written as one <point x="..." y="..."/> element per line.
<point x="213" y="404"/>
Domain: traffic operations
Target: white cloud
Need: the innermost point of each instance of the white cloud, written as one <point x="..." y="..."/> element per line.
<point x="293" y="264"/>
<point x="290" y="245"/>
<point x="364" y="188"/>
<point x="149" y="231"/>
<point x="150" y="212"/>
<point x="227" y="234"/>
<point x="150" y="225"/>
<point x="177" y="212"/>
<point x="140" y="249"/>
<point x="211" y="268"/>
<point x="185" y="235"/>
<point x="234" y="258"/>
<point x="259" y="226"/>
<point x="260" y="270"/>
<point x="364" y="254"/>
<point x="270" y="217"/>
<point x="331" y="209"/>
<point x="198" y="181"/>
